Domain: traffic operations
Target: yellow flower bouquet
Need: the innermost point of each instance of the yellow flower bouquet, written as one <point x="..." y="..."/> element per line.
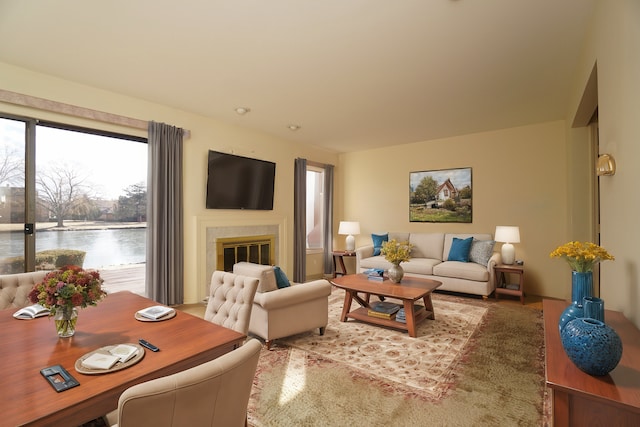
<point x="581" y="256"/>
<point x="395" y="252"/>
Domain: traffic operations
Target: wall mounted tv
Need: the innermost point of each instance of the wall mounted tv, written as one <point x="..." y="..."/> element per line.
<point x="236" y="182"/>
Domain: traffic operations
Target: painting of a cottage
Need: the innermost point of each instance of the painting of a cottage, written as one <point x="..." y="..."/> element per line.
<point x="440" y="196"/>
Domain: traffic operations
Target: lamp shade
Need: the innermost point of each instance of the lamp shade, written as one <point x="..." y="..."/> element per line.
<point x="507" y="234"/>
<point x="349" y="227"/>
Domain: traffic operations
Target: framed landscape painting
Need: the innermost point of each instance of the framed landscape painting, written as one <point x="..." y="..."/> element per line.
<point x="440" y="196"/>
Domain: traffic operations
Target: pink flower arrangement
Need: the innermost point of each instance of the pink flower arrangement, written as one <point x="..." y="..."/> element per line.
<point x="68" y="287"/>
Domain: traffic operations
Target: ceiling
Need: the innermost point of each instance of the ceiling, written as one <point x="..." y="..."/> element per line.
<point x="353" y="74"/>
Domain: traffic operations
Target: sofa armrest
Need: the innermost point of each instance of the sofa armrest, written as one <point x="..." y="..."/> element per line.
<point x="294" y="294"/>
<point x="361" y="253"/>
<point x="495" y="259"/>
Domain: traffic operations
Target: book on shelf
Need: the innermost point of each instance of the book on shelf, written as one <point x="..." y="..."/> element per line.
<point x="388" y="316"/>
<point x="385" y="307"/>
<point x="31" y="312"/>
<point x="401" y="316"/>
<point x="156" y="312"/>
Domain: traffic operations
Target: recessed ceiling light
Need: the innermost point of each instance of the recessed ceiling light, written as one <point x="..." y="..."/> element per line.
<point x="293" y="127"/>
<point x="242" y="110"/>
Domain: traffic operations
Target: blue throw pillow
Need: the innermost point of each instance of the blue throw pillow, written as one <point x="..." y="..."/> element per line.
<point x="378" y="240"/>
<point x="460" y="249"/>
<point x="281" y="278"/>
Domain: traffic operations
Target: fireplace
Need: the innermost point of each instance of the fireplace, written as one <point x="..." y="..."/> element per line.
<point x="248" y="239"/>
<point x="255" y="249"/>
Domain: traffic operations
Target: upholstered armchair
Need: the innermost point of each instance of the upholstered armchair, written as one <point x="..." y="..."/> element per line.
<point x="15" y="288"/>
<point x="282" y="312"/>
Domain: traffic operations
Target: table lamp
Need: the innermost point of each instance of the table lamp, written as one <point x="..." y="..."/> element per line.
<point x="508" y="235"/>
<point x="350" y="228"/>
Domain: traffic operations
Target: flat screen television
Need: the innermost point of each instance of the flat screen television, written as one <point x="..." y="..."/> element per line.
<point x="236" y="182"/>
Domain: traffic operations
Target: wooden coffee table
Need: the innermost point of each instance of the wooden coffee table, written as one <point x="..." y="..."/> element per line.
<point x="410" y="290"/>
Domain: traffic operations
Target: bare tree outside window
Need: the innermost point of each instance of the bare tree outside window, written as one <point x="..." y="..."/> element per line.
<point x="62" y="192"/>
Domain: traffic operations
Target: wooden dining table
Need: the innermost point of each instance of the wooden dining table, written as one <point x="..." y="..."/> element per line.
<point x="27" y="346"/>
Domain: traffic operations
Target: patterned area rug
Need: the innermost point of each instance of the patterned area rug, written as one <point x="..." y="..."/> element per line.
<point x="478" y="363"/>
<point x="424" y="363"/>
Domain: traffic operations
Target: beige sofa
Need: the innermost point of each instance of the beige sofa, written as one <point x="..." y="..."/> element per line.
<point x="15" y="288"/>
<point x="283" y="312"/>
<point x="429" y="259"/>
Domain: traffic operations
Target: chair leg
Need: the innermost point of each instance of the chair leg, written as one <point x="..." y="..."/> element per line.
<point x="322" y="330"/>
<point x="268" y="344"/>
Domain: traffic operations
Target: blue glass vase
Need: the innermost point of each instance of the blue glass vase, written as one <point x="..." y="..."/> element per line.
<point x="595" y="348"/>
<point x="581" y="286"/>
<point x="593" y="308"/>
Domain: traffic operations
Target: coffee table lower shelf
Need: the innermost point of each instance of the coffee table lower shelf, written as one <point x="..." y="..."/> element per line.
<point x="362" y="315"/>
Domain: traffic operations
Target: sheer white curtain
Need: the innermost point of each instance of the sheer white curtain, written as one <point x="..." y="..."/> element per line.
<point x="165" y="235"/>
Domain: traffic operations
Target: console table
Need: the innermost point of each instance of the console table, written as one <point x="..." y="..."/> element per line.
<point x="579" y="399"/>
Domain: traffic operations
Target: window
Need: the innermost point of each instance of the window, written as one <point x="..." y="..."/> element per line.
<point x="315" y="208"/>
<point x="77" y="189"/>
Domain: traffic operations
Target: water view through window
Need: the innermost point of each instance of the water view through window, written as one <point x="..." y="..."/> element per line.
<point x="90" y="194"/>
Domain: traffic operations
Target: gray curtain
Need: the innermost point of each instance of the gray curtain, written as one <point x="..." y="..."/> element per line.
<point x="328" y="219"/>
<point x="300" y="221"/>
<point x="165" y="234"/>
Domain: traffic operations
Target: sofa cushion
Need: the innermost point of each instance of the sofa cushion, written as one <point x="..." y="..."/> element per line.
<point x="420" y="265"/>
<point x="462" y="270"/>
<point x="375" y="262"/>
<point x="400" y="237"/>
<point x="281" y="278"/>
<point x="460" y="249"/>
<point x="481" y="251"/>
<point x="265" y="273"/>
<point x="427" y="245"/>
<point x="378" y="240"/>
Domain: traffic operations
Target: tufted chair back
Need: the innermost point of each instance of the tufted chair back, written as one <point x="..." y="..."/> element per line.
<point x="15" y="288"/>
<point x="230" y="300"/>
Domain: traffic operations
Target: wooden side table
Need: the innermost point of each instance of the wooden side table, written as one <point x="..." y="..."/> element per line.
<point x="338" y="257"/>
<point x="503" y="272"/>
<point x="579" y="399"/>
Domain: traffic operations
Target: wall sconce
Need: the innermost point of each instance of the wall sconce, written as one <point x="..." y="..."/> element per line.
<point x="606" y="165"/>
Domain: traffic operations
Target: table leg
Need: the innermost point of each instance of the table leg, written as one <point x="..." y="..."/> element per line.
<point x="428" y="305"/>
<point x="346" y="306"/>
<point x="410" y="316"/>
<point x="342" y="266"/>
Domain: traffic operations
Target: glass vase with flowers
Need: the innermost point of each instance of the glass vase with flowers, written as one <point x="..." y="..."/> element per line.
<point x="65" y="290"/>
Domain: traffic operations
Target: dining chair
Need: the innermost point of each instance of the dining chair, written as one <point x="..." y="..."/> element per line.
<point x="230" y="300"/>
<point x="215" y="393"/>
